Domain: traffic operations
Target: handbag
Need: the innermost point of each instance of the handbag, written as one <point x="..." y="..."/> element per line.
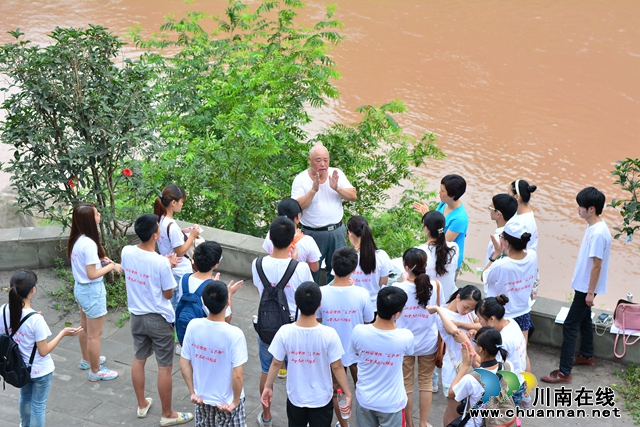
<point x="626" y="317"/>
<point x="442" y="346"/>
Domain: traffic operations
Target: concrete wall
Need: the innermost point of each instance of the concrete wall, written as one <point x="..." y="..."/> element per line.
<point x="38" y="247"/>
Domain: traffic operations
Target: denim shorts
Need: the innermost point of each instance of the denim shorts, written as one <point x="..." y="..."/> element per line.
<point x="265" y="357"/>
<point x="91" y="298"/>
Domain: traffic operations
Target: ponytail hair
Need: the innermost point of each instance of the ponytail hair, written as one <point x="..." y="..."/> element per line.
<point x="21" y="284"/>
<point x="434" y="222"/>
<point x="416" y="260"/>
<point x="490" y="340"/>
<point x="523" y="189"/>
<point x="359" y="226"/>
<point x="492" y="307"/>
<point x="467" y="293"/>
<point x="83" y="221"/>
<point x="169" y="193"/>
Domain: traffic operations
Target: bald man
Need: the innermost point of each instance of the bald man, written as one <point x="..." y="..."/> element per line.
<point x="320" y="191"/>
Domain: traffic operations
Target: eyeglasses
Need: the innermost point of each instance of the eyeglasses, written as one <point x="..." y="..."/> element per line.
<point x="491" y="208"/>
<point x="501" y="235"/>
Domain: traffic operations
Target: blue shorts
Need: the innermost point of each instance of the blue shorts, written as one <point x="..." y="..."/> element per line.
<point x="91" y="298"/>
<point x="265" y="357"/>
<point x="524" y="322"/>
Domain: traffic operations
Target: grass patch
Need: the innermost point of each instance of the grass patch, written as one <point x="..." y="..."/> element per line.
<point x="114" y="285"/>
<point x="629" y="389"/>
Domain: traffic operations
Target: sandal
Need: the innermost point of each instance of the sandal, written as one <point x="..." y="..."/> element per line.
<point x="143" y="412"/>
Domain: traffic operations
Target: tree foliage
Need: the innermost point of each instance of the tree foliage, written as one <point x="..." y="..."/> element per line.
<point x="78" y="125"/>
<point x="627" y="173"/>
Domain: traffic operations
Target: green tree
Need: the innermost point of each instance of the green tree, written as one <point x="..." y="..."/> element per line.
<point x="232" y="106"/>
<point x="78" y="124"/>
<point x="627" y="173"/>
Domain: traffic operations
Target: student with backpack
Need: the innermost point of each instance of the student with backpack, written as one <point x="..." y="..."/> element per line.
<point x="89" y="264"/>
<point x="207" y="258"/>
<point x="150" y="286"/>
<point x="30" y="331"/>
<point x="380" y="349"/>
<point x="277" y="277"/>
<point x="344" y="306"/>
<point x="315" y="352"/>
<point x="214" y="349"/>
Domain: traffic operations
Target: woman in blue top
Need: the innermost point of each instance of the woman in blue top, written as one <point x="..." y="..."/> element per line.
<point x="452" y="187"/>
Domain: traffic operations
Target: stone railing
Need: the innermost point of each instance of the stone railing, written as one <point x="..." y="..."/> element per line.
<point x="38" y="247"/>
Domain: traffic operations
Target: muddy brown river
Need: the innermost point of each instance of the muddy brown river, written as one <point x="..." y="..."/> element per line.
<point x="545" y="91"/>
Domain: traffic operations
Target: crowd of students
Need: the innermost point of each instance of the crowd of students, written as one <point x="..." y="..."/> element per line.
<point x="361" y="323"/>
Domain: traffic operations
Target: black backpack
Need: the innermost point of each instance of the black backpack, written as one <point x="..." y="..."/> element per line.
<point x="189" y="307"/>
<point x="12" y="367"/>
<point x="273" y="310"/>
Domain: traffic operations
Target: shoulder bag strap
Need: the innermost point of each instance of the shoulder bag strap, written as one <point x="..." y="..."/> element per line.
<point x="24" y="319"/>
<point x="4" y="317"/>
<point x="185" y="284"/>
<point x="260" y="271"/>
<point x="200" y="289"/>
<point x="287" y="274"/>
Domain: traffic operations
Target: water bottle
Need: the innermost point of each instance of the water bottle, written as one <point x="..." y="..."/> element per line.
<point x="629" y="297"/>
<point x="342" y="401"/>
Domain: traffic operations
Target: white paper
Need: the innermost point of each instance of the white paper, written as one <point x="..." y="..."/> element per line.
<point x="562" y="315"/>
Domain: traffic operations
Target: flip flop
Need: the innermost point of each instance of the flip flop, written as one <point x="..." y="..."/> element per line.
<point x="143" y="412"/>
<point x="183" y="417"/>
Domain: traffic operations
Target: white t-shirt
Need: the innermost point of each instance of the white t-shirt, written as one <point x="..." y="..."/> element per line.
<point x="147" y="275"/>
<point x="515" y="279"/>
<point x="490" y="248"/>
<point x="35" y="329"/>
<point x="307" y="248"/>
<point x="175" y="239"/>
<point x="469" y="387"/>
<point x="380" y="354"/>
<point x="310" y="352"/>
<point x="274" y="269"/>
<point x="529" y="222"/>
<point x="344" y="307"/>
<point x="84" y="252"/>
<point x="516" y="346"/>
<point x="448" y="281"/>
<point x="454" y="349"/>
<point x="194" y="284"/>
<point x="326" y="206"/>
<point x="371" y="282"/>
<point x="596" y="243"/>
<point x="214" y="349"/>
<point x="418" y="320"/>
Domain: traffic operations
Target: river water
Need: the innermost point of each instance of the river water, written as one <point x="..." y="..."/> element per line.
<point x="540" y="90"/>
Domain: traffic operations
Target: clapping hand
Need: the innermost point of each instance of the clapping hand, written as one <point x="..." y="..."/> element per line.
<point x="421" y="208"/>
<point x="333" y="180"/>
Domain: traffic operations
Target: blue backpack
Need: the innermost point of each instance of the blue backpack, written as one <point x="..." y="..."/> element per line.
<point x="189" y="307"/>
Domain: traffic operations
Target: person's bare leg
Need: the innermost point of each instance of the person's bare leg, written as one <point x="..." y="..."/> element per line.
<point x="138" y="379"/>
<point x="408" y="410"/>
<point x="165" y="390"/>
<point x="82" y="336"/>
<point x="94" y="334"/>
<point x="266" y="412"/>
<point x="526" y="338"/>
<point x="425" y="407"/>
<point x="450" y="413"/>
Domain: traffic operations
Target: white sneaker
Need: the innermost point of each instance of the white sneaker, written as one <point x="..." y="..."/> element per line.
<point x="178" y="349"/>
<point x="263" y="423"/>
<point x="435" y="389"/>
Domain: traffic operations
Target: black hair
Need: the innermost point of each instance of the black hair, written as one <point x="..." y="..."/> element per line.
<point x="416" y="260"/>
<point x="517" y="244"/>
<point x="455" y="185"/>
<point x="169" y="193"/>
<point x="83" y="221"/>
<point x="391" y="300"/>
<point x="20" y="285"/>
<point x="523" y="189"/>
<point x="490" y="340"/>
<point x="434" y="222"/>
<point x="282" y="232"/>
<point x="506" y="204"/>
<point x="344" y="261"/>
<point x="467" y="293"/>
<point x="591" y="196"/>
<point x="289" y="208"/>
<point x="215" y="296"/>
<point x="207" y="255"/>
<point x="359" y="226"/>
<point x="145" y="226"/>
<point x="308" y="298"/>
<point x="492" y="306"/>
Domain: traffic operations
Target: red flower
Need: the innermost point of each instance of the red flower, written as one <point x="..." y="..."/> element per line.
<point x="127" y="172"/>
<point x="73" y="181"/>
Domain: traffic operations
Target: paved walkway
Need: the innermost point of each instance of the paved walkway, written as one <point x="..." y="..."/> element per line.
<point x="74" y="401"/>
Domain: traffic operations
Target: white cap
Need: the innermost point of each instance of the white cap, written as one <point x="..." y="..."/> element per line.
<point x="515" y="228"/>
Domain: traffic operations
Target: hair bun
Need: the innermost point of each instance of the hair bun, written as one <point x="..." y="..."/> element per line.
<point x="502" y="299"/>
<point x="526" y="237"/>
<point x="531" y="188"/>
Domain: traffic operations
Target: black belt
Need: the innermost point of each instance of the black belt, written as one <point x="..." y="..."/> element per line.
<point x="325" y="228"/>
